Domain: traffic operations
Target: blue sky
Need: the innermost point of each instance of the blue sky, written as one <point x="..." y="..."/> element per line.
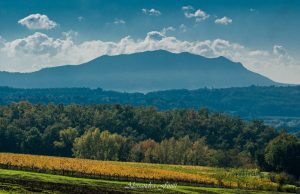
<point x="263" y="35"/>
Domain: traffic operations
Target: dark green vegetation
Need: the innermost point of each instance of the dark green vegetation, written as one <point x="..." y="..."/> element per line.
<point x="277" y="106"/>
<point x="12" y="181"/>
<point x="145" y="134"/>
<point x="146" y="71"/>
<point x="268" y="101"/>
<point x="280" y="154"/>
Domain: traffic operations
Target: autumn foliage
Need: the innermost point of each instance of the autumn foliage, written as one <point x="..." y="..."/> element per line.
<point x="251" y="179"/>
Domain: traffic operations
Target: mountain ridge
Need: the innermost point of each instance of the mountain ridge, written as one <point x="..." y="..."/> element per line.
<point x="143" y="72"/>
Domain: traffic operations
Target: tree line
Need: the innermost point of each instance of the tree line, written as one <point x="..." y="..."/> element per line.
<point x="144" y="134"/>
<point x="269" y="101"/>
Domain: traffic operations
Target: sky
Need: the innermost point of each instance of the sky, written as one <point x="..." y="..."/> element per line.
<point x="262" y="35"/>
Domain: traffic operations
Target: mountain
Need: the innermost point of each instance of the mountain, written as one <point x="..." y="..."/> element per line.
<point x="145" y="71"/>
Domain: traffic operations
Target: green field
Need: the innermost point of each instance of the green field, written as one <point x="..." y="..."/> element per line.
<point x="13" y="181"/>
<point x="23" y="173"/>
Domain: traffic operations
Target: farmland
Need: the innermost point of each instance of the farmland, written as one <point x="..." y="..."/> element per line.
<point x="190" y="176"/>
<point x="14" y="181"/>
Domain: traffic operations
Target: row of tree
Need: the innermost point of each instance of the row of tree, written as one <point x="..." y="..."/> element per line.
<point x="144" y="134"/>
<point x="98" y="145"/>
<point x="281" y="154"/>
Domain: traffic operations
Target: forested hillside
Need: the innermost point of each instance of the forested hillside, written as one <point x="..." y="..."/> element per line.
<point x="268" y="101"/>
<point x="277" y="106"/>
<point x="126" y="133"/>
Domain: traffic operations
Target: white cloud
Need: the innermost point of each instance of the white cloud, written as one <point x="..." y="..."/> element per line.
<point x="168" y="29"/>
<point x="119" y="21"/>
<point x="279" y="50"/>
<point x="38" y="44"/>
<point x="198" y="14"/>
<point x="151" y="12"/>
<point x="155" y="36"/>
<point x="187" y="8"/>
<point x="1" y="41"/>
<point x="39" y="50"/>
<point x="37" y="22"/>
<point x="80" y="18"/>
<point x="224" y="20"/>
<point x="283" y="56"/>
<point x="70" y="34"/>
<point x="183" y="28"/>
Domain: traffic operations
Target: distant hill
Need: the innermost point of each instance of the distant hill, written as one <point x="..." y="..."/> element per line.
<point x="143" y="72"/>
<point x="277" y="106"/>
<point x="251" y="101"/>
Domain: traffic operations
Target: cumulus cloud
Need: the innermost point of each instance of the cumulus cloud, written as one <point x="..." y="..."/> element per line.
<point x="39" y="50"/>
<point x="224" y="20"/>
<point x="151" y="12"/>
<point x="37" y="22"/>
<point x="279" y="50"/>
<point x="190" y="12"/>
<point x="155" y="36"/>
<point x="38" y="43"/>
<point x="119" y="21"/>
<point x="283" y="55"/>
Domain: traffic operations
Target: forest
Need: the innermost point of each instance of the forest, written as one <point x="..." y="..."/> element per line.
<point x="145" y="134"/>
<point x="269" y="101"/>
<point x="276" y="106"/>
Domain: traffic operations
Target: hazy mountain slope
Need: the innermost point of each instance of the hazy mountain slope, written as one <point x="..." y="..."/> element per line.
<point x="147" y="71"/>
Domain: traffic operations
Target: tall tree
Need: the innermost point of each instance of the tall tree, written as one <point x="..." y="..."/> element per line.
<point x="283" y="154"/>
<point x="66" y="140"/>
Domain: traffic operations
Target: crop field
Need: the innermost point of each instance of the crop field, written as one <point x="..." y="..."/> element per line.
<point x="250" y="179"/>
<point x="17" y="182"/>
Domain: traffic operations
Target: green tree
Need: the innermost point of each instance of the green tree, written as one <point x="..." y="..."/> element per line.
<point x="201" y="154"/>
<point x="100" y="145"/>
<point x="143" y="151"/>
<point x="66" y="140"/>
<point x="283" y="154"/>
<point x="32" y="142"/>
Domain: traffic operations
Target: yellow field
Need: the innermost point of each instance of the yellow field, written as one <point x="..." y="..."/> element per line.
<point x="242" y="178"/>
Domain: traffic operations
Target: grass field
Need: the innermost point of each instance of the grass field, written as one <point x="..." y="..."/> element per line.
<point x="105" y="175"/>
<point x="14" y="181"/>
